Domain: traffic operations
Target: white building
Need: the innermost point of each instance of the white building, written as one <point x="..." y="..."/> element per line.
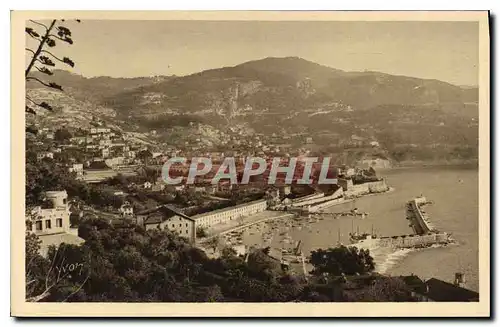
<point x="42" y="155"/>
<point x="116" y="161"/>
<point x="105" y="152"/>
<point x="227" y="214"/>
<point x="105" y="142"/>
<point x="51" y="222"/>
<point x="76" y="168"/>
<point x="99" y="130"/>
<point x="126" y="210"/>
<point x="79" y="140"/>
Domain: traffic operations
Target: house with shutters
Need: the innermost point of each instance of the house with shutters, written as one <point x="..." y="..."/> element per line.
<point x="168" y="218"/>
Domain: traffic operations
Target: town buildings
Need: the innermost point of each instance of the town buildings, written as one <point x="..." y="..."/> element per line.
<point x="126" y="210"/>
<point x="43" y="155"/>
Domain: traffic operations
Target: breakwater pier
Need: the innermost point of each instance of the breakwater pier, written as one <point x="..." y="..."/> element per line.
<point x="425" y="235"/>
<point x="419" y="220"/>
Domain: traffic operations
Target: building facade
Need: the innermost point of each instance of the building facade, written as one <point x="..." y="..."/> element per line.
<point x="51" y="222"/>
<point x="52" y="219"/>
<point x="126" y="210"/>
<point x="225" y="215"/>
<point x="165" y="218"/>
<point x="76" y="168"/>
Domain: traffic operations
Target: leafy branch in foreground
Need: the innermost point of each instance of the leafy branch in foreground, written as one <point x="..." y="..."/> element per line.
<point x="42" y="60"/>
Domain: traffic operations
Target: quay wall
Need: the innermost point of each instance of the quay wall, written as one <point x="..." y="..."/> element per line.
<point x="366" y="188"/>
<point x="410" y="241"/>
<point x="307" y="198"/>
<point x="337" y="194"/>
<point x="328" y="203"/>
<point x="415" y="216"/>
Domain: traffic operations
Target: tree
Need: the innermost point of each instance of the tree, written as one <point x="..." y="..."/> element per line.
<point x="201" y="232"/>
<point x="264" y="266"/>
<point x="144" y="155"/>
<point x="62" y="135"/>
<point x="214" y="243"/>
<point x="42" y="59"/>
<point x="342" y="260"/>
<point x="228" y="252"/>
<point x="64" y="272"/>
<point x="382" y="289"/>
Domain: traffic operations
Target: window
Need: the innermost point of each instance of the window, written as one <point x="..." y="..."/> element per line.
<point x="47" y="224"/>
<point x="59" y="222"/>
<point x="180" y="225"/>
<point x="39" y="225"/>
<point x="186" y="225"/>
<point x="187" y="231"/>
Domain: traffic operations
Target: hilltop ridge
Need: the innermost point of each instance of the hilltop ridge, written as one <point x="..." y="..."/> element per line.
<point x="288" y="97"/>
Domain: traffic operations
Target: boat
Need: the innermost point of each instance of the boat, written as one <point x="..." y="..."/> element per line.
<point x="355" y="237"/>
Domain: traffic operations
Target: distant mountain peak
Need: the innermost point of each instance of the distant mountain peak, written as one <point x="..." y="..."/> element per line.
<point x="289" y="60"/>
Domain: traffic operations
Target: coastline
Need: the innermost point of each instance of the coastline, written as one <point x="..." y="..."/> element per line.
<point x="390" y="190"/>
<point x="433" y="164"/>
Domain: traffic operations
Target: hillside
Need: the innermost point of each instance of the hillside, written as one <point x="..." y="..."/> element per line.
<point x="291" y="96"/>
<point x="94" y="88"/>
<point x="282" y="84"/>
<point x="67" y="110"/>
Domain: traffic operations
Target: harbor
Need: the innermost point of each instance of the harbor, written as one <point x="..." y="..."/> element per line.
<point x="377" y="214"/>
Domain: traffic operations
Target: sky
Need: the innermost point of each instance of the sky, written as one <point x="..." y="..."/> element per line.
<point x="447" y="51"/>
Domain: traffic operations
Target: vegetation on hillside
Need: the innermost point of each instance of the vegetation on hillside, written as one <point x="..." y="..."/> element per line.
<point x="130" y="264"/>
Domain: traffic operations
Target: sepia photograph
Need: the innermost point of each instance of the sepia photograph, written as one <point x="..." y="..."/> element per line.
<point x="317" y="163"/>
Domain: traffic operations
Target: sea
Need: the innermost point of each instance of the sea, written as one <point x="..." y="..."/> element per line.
<point x="454" y="192"/>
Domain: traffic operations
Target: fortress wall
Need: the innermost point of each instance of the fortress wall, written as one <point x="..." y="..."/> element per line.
<point x="367" y="188"/>
<point x="335" y="195"/>
<point x="357" y="190"/>
<point x="306" y="198"/>
<point x="378" y="187"/>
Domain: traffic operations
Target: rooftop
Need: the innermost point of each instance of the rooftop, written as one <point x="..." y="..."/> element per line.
<point x="442" y="291"/>
<point x="165" y="209"/>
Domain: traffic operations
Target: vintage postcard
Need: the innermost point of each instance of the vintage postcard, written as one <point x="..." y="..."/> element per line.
<point x="250" y="164"/>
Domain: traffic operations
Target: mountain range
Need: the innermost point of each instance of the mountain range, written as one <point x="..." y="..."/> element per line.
<point x="288" y="94"/>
